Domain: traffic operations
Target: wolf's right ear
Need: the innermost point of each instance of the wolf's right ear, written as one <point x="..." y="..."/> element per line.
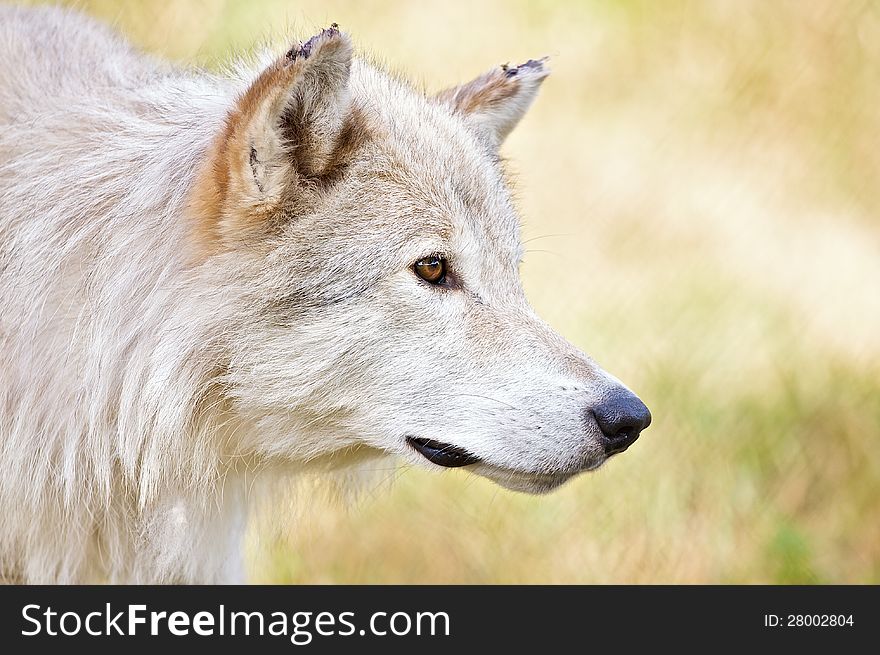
<point x="284" y="130"/>
<point x="494" y="102"/>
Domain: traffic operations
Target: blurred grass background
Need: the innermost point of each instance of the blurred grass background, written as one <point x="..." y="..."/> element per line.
<point x="700" y="187"/>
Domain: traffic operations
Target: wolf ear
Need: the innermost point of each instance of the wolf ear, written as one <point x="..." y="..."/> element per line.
<point x="496" y="101"/>
<point x="286" y="131"/>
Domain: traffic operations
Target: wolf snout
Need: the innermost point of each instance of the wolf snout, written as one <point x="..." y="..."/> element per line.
<point x="621" y="417"/>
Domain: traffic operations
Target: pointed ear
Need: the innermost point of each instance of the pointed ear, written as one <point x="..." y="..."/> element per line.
<point x="496" y="101"/>
<point x="285" y="132"/>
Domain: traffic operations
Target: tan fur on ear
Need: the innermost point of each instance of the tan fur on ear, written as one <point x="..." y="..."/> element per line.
<point x="496" y="101"/>
<point x="284" y="128"/>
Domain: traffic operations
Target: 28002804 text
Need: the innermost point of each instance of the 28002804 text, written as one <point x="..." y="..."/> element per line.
<point x="808" y="620"/>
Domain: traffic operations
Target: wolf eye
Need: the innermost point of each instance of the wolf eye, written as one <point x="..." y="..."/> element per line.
<point x="431" y="269"/>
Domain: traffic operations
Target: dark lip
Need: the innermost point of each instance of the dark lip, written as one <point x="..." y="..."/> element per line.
<point x="442" y="454"/>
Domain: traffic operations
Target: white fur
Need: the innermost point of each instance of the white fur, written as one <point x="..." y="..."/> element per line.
<point x="140" y="394"/>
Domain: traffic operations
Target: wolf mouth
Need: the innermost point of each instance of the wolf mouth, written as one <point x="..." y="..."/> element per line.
<point x="442" y="454"/>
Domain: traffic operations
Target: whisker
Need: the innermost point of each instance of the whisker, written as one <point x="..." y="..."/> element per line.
<point x="548" y="236"/>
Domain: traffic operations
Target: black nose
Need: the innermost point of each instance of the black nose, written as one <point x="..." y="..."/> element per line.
<point x="621" y="417"/>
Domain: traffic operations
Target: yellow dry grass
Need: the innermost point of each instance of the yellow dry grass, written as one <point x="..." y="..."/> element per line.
<point x="700" y="186"/>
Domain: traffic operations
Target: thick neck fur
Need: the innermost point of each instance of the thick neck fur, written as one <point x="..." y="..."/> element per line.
<point x="98" y="158"/>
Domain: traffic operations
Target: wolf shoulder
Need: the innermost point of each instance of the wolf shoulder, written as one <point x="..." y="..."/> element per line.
<point x="51" y="54"/>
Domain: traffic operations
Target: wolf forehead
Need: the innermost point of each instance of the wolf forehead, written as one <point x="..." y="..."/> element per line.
<point x="426" y="160"/>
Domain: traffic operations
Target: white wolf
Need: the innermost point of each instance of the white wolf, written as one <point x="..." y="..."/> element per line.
<point x="304" y="264"/>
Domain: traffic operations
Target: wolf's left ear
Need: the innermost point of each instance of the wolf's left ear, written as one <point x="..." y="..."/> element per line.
<point x="496" y="101"/>
<point x="291" y="129"/>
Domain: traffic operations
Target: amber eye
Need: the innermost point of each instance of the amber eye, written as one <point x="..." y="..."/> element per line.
<point x="431" y="269"/>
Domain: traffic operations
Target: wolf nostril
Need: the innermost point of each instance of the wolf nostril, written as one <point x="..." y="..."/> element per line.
<point x="621" y="416"/>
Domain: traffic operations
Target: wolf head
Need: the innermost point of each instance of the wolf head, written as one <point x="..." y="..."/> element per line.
<point x="367" y="236"/>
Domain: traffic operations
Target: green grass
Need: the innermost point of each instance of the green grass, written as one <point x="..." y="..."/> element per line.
<point x="705" y="182"/>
